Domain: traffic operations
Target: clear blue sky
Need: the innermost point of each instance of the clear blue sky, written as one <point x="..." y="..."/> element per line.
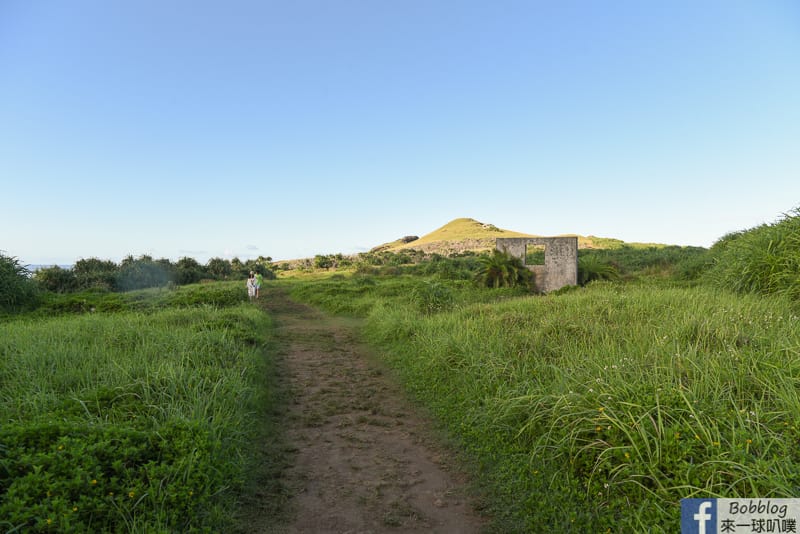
<point x="293" y="128"/>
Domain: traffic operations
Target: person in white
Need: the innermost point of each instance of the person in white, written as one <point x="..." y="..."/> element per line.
<point x="251" y="285"/>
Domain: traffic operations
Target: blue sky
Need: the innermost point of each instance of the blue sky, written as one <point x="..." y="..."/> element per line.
<point x="289" y="129"/>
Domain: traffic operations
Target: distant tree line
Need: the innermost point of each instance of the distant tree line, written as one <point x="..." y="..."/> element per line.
<point x="144" y="272"/>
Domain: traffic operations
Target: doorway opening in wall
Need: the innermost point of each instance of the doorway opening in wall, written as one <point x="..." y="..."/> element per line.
<point x="534" y="254"/>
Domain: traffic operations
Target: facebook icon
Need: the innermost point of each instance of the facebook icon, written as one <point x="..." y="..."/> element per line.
<point x="698" y="516"/>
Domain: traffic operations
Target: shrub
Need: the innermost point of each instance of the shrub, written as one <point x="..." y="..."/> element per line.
<point x="432" y="297"/>
<point x="142" y="273"/>
<point x="56" y="279"/>
<point x="323" y="262"/>
<point x="93" y="272"/>
<point x="188" y="271"/>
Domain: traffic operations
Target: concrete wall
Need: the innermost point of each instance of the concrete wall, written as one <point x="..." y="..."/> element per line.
<point x="560" y="259"/>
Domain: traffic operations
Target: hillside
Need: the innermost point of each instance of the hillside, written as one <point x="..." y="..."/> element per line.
<point x="465" y="234"/>
<point x="456" y="236"/>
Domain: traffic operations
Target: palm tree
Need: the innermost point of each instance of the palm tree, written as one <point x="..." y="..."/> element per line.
<point x="591" y="268"/>
<point x="500" y="269"/>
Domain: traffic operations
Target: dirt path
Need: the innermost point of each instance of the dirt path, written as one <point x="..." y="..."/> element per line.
<point x="364" y="462"/>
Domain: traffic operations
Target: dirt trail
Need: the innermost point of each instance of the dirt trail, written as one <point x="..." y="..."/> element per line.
<point x="364" y="462"/>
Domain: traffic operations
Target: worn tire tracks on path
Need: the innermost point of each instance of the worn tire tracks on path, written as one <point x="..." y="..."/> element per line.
<point x="363" y="458"/>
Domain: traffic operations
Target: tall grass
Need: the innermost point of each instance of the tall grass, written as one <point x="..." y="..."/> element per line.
<point x="129" y="421"/>
<point x="357" y="295"/>
<point x="16" y="289"/>
<point x="601" y="408"/>
<point x="631" y="262"/>
<point x="765" y="259"/>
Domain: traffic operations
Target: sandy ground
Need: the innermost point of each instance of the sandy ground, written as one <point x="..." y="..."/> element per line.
<point x="363" y="460"/>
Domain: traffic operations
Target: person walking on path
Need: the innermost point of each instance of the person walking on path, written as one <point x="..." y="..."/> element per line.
<point x="259" y="281"/>
<point x="251" y="286"/>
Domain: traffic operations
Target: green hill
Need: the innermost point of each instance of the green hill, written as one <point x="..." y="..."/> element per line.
<point x="460" y="235"/>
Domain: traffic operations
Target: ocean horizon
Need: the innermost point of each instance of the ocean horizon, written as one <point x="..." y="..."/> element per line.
<point x="33" y="267"/>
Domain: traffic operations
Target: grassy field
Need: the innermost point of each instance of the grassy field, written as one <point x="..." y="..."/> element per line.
<point x="138" y="419"/>
<point x="598" y="409"/>
<point x="591" y="409"/>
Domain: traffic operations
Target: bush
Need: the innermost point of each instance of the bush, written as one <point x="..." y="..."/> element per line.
<point x="17" y="290"/>
<point x="56" y="279"/>
<point x="432" y="297"/>
<point x="219" y="268"/>
<point x="95" y="273"/>
<point x="188" y="271"/>
<point x="142" y="273"/>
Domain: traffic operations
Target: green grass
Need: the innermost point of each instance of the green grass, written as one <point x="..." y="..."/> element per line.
<point x="599" y="408"/>
<point x="764" y="259"/>
<point x="130" y="421"/>
<point x="651" y="263"/>
<point x="104" y="300"/>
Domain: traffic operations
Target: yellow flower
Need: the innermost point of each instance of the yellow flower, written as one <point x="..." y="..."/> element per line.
<point x="94" y="482"/>
<point x="598" y="428"/>
<point x="74" y="508"/>
<point x="49" y="521"/>
<point x="131" y="494"/>
<point x="601" y="409"/>
<point x="749" y="441"/>
<point x="627" y="456"/>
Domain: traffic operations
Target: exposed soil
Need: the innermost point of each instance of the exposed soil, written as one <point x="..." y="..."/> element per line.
<point x="363" y="459"/>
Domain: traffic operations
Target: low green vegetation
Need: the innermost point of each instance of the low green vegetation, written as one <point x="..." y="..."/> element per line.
<point x="134" y="414"/>
<point x="103" y="300"/>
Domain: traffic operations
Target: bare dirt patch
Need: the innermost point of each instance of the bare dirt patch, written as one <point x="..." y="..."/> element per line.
<point x="363" y="460"/>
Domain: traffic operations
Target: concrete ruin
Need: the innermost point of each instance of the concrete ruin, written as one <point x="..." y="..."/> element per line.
<point x="560" y="259"/>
